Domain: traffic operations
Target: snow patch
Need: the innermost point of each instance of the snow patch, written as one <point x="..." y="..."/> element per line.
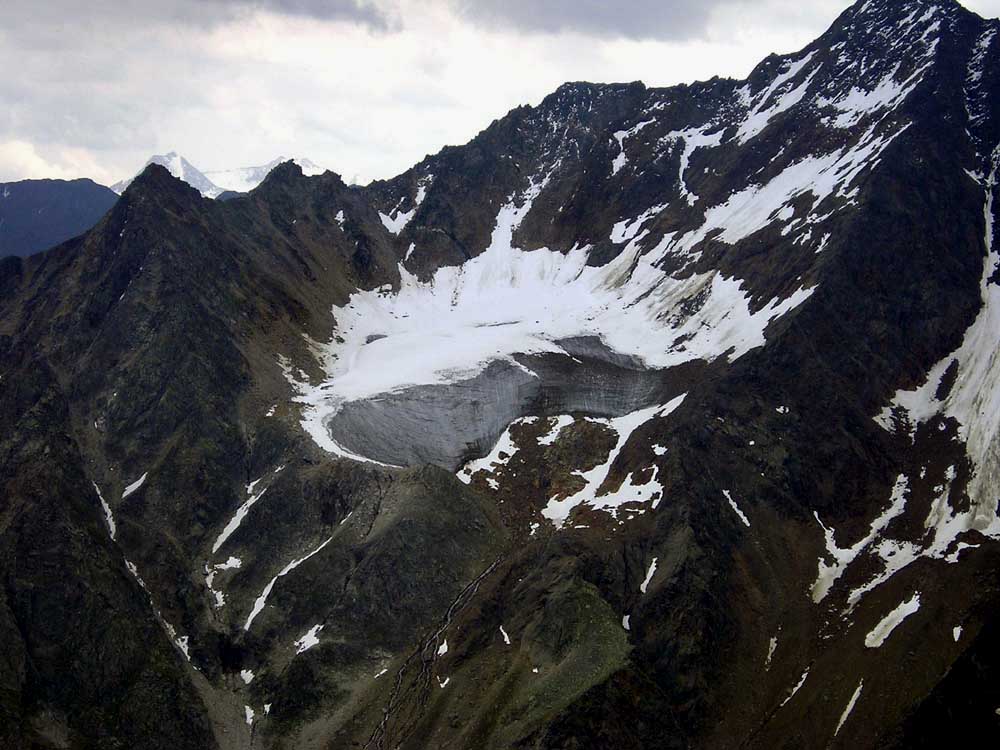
<point x="760" y="115"/>
<point x="134" y="486"/>
<point x="258" y="605"/>
<point x="891" y="621"/>
<point x="850" y="707"/>
<point x="552" y="435"/>
<point x="693" y="139"/>
<point x="502" y="452"/>
<point x="798" y="686"/>
<point x="397" y="220"/>
<point x="649" y="576"/>
<point x="736" y="508"/>
<point x="237" y="519"/>
<point x="594" y="493"/>
<point x="233" y="563"/>
<point x="308" y="640"/>
<point x="828" y="572"/>
<point x="108" y="515"/>
<point x="621" y="159"/>
<point x="974" y="399"/>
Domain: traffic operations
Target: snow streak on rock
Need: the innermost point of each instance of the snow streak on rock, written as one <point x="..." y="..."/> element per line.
<point x="258" y="605"/>
<point x="829" y="572"/>
<point x="502" y="452"/>
<point x="308" y="640"/>
<point x="780" y="96"/>
<point x="236" y="520"/>
<point x="891" y="621"/>
<point x="849" y="708"/>
<point x="649" y="576"/>
<point x="798" y="686"/>
<point x="736" y="508"/>
<point x="596" y="493"/>
<point x="108" y="515"/>
<point x="397" y="219"/>
<point x="134" y="486"/>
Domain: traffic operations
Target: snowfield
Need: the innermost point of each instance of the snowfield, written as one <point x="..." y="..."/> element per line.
<point x="507" y="302"/>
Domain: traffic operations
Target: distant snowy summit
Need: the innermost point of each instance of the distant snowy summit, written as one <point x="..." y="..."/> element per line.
<point x="245" y="179"/>
<point x="213" y="183"/>
<point x="180" y="168"/>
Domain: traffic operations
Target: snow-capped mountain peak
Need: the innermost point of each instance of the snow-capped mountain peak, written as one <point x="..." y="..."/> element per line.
<point x="180" y="168"/>
<point x="213" y="183"/>
<point x="245" y="179"/>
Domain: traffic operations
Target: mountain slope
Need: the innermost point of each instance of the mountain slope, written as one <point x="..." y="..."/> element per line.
<point x="648" y="418"/>
<point x="38" y="214"/>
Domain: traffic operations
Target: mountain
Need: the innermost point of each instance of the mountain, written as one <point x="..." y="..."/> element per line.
<point x="180" y="168"/>
<point x="38" y="214"/>
<point x="649" y="418"/>
<point x="245" y="179"/>
<point x="212" y="184"/>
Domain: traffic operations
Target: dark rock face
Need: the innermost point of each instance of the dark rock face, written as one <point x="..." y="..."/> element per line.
<point x="38" y="214"/>
<point x="774" y="527"/>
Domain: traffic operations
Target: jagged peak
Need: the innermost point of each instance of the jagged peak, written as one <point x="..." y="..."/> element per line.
<point x="157" y="179"/>
<point x="285" y="170"/>
<point x="885" y="18"/>
<point x="289" y="174"/>
<point x="900" y="9"/>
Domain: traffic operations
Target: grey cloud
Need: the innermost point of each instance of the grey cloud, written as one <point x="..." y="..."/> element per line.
<point x="55" y="17"/>
<point x="639" y="19"/>
<point x="358" y="11"/>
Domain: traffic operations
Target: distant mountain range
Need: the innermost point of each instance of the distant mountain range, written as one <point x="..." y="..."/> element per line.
<point x="38" y="214"/>
<point x="214" y="183"/>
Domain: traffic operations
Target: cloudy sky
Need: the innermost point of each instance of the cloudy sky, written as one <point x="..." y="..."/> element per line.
<point x="363" y="87"/>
